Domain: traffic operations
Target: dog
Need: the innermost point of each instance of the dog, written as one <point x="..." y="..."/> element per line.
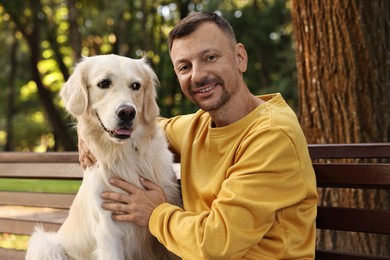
<point x="113" y="99"/>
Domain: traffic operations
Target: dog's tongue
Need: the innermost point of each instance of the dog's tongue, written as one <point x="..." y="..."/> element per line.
<point x="123" y="131"/>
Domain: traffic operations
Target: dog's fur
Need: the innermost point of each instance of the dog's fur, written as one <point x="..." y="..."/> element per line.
<point x="113" y="99"/>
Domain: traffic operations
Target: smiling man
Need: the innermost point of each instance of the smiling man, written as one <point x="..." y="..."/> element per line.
<point x="248" y="186"/>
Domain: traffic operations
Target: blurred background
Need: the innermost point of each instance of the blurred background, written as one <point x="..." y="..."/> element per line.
<point x="41" y="41"/>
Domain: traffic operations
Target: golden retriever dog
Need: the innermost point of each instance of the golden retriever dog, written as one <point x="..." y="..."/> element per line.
<point x="113" y="99"/>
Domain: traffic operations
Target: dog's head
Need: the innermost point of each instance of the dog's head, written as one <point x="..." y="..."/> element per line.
<point x="115" y="92"/>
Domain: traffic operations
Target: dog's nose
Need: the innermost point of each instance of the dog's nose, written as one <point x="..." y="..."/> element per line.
<point x="125" y="112"/>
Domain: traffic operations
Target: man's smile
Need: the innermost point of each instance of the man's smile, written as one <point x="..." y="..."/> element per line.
<point x="206" y="89"/>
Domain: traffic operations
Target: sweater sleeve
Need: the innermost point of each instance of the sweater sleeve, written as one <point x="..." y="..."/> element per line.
<point x="259" y="201"/>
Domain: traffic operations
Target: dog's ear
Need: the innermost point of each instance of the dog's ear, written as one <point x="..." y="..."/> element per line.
<point x="150" y="107"/>
<point x="74" y="91"/>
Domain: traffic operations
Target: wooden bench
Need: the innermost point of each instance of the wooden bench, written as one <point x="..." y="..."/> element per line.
<point x="64" y="166"/>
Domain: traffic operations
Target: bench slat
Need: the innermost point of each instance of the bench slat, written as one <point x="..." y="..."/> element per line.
<point x="51" y="200"/>
<point x="354" y="150"/>
<point x="322" y="254"/>
<point x="24" y="227"/>
<point x="353" y="219"/>
<point x="48" y="157"/>
<point x="349" y="175"/>
<point x="43" y="170"/>
<point x="12" y="254"/>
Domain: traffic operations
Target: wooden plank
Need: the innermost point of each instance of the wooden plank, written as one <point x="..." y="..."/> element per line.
<point x="48" y="157"/>
<point x="12" y="254"/>
<point x="334" y="255"/>
<point x="51" y="200"/>
<point x="352" y="219"/>
<point x="349" y="175"/>
<point x="41" y="170"/>
<point x="355" y="150"/>
<point x="35" y="214"/>
<point x="24" y="227"/>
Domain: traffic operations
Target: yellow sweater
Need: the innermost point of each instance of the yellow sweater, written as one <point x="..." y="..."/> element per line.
<point x="249" y="189"/>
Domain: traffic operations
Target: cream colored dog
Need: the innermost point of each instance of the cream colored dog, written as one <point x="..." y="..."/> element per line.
<point x="113" y="100"/>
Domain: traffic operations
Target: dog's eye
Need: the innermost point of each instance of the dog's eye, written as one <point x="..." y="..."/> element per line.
<point x="104" y="83"/>
<point x="135" y="86"/>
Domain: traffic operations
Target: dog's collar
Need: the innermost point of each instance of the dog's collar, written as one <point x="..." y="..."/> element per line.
<point x="112" y="132"/>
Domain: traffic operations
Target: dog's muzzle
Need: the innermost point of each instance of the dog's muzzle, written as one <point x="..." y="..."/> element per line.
<point x="125" y="115"/>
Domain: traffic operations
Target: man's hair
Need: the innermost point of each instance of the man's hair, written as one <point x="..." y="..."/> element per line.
<point x="190" y="23"/>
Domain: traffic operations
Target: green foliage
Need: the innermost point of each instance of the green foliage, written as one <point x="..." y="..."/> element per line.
<point x="67" y="31"/>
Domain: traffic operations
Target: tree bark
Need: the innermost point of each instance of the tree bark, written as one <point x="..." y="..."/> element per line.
<point x="74" y="35"/>
<point x="11" y="97"/>
<point x="343" y="62"/>
<point x="344" y="69"/>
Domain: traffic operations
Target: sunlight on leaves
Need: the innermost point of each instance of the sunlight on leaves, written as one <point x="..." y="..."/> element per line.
<point x="53" y="80"/>
<point x="47" y="141"/>
<point x="38" y="117"/>
<point x="106" y="48"/>
<point x="27" y="90"/>
<point x="47" y="65"/>
<point x="45" y="44"/>
<point x="47" y="54"/>
<point x="62" y="39"/>
<point x="3" y="137"/>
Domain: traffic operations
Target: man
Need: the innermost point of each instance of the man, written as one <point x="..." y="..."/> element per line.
<point x="248" y="186"/>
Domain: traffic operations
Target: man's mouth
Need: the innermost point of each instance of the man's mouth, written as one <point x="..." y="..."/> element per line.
<point x="206" y="85"/>
<point x="206" y="89"/>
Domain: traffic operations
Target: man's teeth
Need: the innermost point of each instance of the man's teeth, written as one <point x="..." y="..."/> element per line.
<point x="206" y="89"/>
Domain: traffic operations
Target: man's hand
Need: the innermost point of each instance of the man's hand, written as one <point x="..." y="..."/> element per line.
<point x="86" y="158"/>
<point x="135" y="206"/>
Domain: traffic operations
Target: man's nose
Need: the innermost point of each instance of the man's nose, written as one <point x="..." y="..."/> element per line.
<point x="199" y="73"/>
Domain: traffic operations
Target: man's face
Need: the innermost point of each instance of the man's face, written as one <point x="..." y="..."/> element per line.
<point x="207" y="65"/>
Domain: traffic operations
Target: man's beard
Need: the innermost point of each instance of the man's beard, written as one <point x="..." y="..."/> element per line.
<point x="223" y="99"/>
<point x="225" y="96"/>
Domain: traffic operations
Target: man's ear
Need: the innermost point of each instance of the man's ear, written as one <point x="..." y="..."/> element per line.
<point x="241" y="57"/>
<point x="74" y="92"/>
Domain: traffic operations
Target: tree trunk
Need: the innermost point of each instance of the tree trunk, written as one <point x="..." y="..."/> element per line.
<point x="343" y="62"/>
<point x="344" y="69"/>
<point x="11" y="97"/>
<point x="60" y="131"/>
<point x="51" y="36"/>
<point x="74" y="35"/>
<point x="32" y="34"/>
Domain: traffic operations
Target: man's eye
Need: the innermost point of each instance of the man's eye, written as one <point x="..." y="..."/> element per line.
<point x="210" y="57"/>
<point x="183" y="68"/>
<point x="104" y="83"/>
<point x="135" y="86"/>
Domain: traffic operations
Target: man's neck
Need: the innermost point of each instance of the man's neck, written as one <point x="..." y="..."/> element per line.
<point x="234" y="110"/>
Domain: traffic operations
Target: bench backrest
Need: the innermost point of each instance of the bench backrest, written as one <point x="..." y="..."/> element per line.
<point x="356" y="174"/>
<point x="65" y="166"/>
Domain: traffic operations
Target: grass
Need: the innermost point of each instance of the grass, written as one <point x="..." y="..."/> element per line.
<point x="20" y="242"/>
<point x="36" y="185"/>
